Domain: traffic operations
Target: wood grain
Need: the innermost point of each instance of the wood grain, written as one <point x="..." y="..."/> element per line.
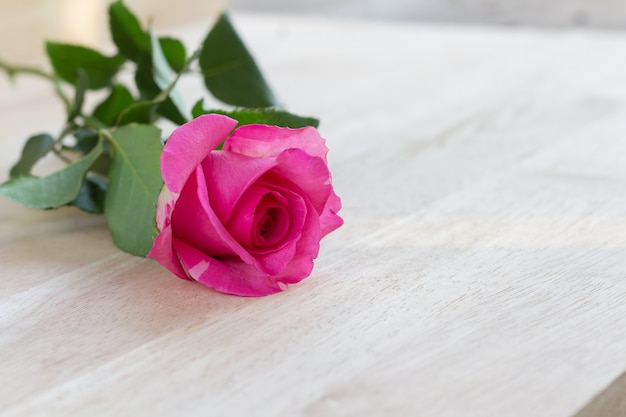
<point x="480" y="271"/>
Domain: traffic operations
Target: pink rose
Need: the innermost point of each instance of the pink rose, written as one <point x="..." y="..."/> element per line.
<point x="247" y="219"/>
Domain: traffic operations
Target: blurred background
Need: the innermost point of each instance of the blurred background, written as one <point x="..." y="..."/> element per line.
<point x="554" y="13"/>
<point x="25" y="23"/>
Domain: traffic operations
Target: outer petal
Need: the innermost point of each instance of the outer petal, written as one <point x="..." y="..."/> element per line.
<point x="308" y="173"/>
<point x="262" y="141"/>
<point x="217" y="232"/>
<point x="329" y="220"/>
<point x="163" y="252"/>
<point x="165" y="205"/>
<point x="193" y="221"/>
<point x="189" y="145"/>
<point x="312" y="176"/>
<point x="229" y="275"/>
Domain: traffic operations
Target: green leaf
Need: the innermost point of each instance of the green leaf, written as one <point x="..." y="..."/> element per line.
<point x="79" y="95"/>
<point x="174" y="52"/>
<point x="270" y="117"/>
<point x="171" y="112"/>
<point x="86" y="140"/>
<point x="52" y="191"/>
<point x="141" y="112"/>
<point x="164" y="76"/>
<point x="102" y="165"/>
<point x="198" y="109"/>
<point x="134" y="186"/>
<point x="68" y="59"/>
<point x="162" y="73"/>
<point x="229" y="70"/>
<point x="131" y="40"/>
<point x="91" y="196"/>
<point x="144" y="80"/>
<point x="150" y="90"/>
<point x="36" y="147"/>
<point x="109" y="110"/>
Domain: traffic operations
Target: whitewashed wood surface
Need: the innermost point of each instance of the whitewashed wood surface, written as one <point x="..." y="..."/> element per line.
<point x="481" y="270"/>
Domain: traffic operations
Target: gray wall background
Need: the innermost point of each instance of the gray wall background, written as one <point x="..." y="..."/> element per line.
<point x="550" y="13"/>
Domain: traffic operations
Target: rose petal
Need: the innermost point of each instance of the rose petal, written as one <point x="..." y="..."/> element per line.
<point x="165" y="205"/>
<point x="307" y="249"/>
<point x="189" y="145"/>
<point x="242" y="218"/>
<point x="329" y="220"/>
<point x="228" y="175"/>
<point x="216" y="232"/>
<point x="262" y="141"/>
<point x="193" y="221"/>
<point x="230" y="275"/>
<point x="163" y="252"/>
<point x="275" y="258"/>
<point x="270" y="224"/>
<point x="309" y="175"/>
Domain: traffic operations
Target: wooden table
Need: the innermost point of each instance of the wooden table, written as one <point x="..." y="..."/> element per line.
<point x="481" y="270"/>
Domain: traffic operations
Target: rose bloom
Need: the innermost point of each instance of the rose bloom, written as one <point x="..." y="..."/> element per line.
<point x="246" y="219"/>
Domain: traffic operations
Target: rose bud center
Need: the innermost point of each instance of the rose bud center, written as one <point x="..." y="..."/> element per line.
<point x="271" y="223"/>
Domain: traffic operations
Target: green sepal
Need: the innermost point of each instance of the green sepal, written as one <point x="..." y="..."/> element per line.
<point x="273" y="117"/>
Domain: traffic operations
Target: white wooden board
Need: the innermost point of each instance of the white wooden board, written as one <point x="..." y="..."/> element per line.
<point x="481" y="270"/>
